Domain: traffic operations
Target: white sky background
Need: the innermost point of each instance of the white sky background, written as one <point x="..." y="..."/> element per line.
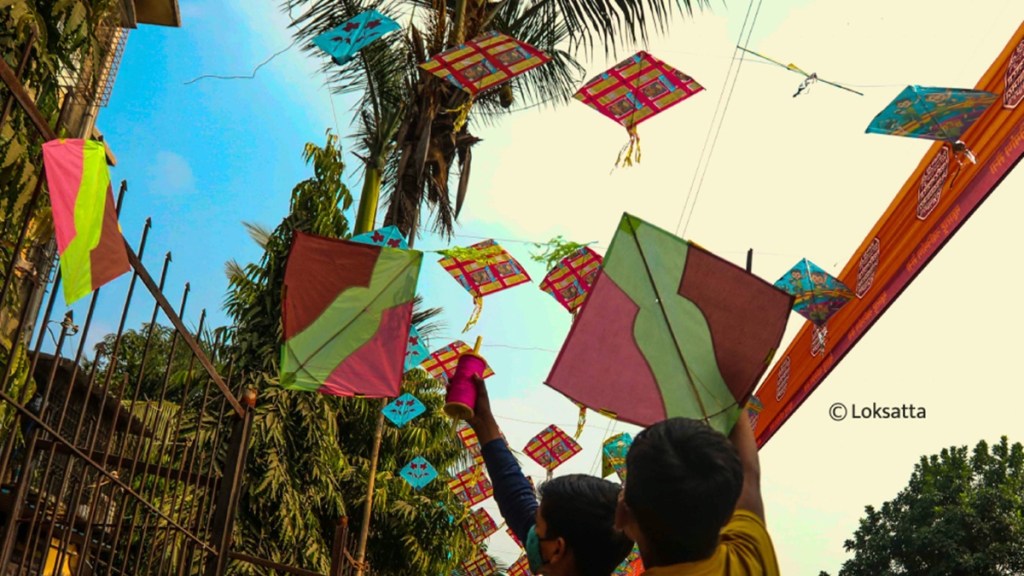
<point x="791" y="178"/>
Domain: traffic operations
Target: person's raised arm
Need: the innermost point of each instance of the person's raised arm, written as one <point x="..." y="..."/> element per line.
<point x="742" y="437"/>
<point x="513" y="493"/>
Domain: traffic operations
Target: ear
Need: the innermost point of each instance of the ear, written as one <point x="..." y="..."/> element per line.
<point x="624" y="521"/>
<point x="559" y="552"/>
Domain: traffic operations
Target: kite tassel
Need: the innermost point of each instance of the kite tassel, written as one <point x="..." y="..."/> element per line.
<point x="630" y="152"/>
<point x="462" y="115"/>
<point x="580" y="423"/>
<point x="478" y="307"/>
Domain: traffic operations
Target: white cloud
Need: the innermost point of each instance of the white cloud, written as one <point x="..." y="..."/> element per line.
<point x="171" y="174"/>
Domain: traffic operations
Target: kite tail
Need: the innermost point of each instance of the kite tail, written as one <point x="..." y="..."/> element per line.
<point x="462" y="112"/>
<point x="580" y="422"/>
<point x="631" y="150"/>
<point x="478" y="307"/>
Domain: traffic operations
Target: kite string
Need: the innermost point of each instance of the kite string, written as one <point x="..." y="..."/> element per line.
<point x="254" y="71"/>
<point x="718" y="106"/>
<point x="721" y="120"/>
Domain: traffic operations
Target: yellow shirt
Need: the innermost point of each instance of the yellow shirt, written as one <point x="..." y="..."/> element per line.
<point x="745" y="549"/>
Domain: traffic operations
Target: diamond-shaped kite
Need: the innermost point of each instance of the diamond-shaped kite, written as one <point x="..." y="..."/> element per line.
<point x="471" y="486"/>
<point x="404" y="409"/>
<point x="520" y="568"/>
<point x="479" y="525"/>
<point x="570" y="281"/>
<point x="817" y="294"/>
<point x="344" y="41"/>
<point x="631" y="566"/>
<point x="418" y="473"/>
<point x="485" y="62"/>
<point x="470" y="441"/>
<point x="415" y="351"/>
<point x="670" y="330"/>
<point x="551" y="447"/>
<point x="635" y="90"/>
<point x="480" y="565"/>
<point x="483" y="268"/>
<point x="388" y="236"/>
<point x="346" y="316"/>
<point x="441" y="363"/>
<point x="613" y="455"/>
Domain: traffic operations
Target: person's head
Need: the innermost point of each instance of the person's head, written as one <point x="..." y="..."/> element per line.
<point x="575" y="533"/>
<point x="683" y="481"/>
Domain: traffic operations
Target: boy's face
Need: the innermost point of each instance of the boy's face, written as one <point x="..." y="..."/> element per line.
<point x="552" y="550"/>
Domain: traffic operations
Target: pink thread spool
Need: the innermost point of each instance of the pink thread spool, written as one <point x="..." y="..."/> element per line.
<point x="460" y="402"/>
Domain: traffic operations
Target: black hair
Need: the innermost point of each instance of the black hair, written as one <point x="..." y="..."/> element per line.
<point x="684" y="479"/>
<point x="581" y="509"/>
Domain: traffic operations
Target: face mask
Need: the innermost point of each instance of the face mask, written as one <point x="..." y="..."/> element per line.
<point x="533" y="554"/>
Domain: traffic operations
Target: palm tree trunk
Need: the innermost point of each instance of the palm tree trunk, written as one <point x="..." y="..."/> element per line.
<point x="459" y="25"/>
<point x="368" y="201"/>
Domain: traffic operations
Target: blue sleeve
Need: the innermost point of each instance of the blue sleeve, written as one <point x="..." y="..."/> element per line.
<point x="512" y="491"/>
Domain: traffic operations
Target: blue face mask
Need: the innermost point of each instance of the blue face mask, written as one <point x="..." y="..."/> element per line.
<point x="533" y="554"/>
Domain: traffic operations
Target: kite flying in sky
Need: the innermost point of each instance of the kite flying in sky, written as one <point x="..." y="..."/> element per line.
<point x="483" y="268"/>
<point x="817" y="294"/>
<point x="344" y="41"/>
<point x="346" y="316"/>
<point x="636" y="89"/>
<point x="934" y="114"/>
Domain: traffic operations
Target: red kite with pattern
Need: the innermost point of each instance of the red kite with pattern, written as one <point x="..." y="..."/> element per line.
<point x="571" y="280"/>
<point x="551" y="447"/>
<point x="636" y="89"/>
<point x="470" y="441"/>
<point x="441" y="364"/>
<point x="471" y="486"/>
<point x="485" y="62"/>
<point x="483" y="268"/>
<point x="480" y="565"/>
<point x="479" y="525"/>
<point x="520" y="568"/>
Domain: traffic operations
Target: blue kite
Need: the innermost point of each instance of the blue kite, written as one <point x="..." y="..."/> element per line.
<point x="404" y="409"/>
<point x="344" y="41"/>
<point x="418" y="473"/>
<point x="388" y="236"/>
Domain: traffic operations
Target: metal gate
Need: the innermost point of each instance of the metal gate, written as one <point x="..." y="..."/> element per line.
<point x="124" y="461"/>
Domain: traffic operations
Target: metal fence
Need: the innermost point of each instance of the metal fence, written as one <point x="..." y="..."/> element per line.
<point x="111" y="464"/>
<point x="126" y="459"/>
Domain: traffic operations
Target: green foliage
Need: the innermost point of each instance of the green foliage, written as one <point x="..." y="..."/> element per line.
<point x="553" y="251"/>
<point x="961" y="514"/>
<point x="292" y="494"/>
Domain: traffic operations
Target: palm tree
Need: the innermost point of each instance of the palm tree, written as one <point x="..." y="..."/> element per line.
<point x="410" y="132"/>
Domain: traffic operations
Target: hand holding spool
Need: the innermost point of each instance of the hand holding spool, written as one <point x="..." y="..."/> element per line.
<point x="460" y="402"/>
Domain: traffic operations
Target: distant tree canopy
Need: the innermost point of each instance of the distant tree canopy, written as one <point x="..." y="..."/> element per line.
<point x="961" y="514"/>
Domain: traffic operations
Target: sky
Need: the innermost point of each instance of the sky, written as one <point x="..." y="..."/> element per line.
<point x="788" y="177"/>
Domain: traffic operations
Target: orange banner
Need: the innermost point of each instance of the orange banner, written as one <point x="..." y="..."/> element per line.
<point x="935" y="201"/>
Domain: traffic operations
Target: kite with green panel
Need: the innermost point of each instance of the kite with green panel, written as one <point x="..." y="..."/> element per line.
<point x="669" y="330"/>
<point x="346" y="316"/>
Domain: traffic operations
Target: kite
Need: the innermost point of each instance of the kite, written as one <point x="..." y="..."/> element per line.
<point x="92" y="250"/>
<point x="483" y="268"/>
<point x="441" y="363"/>
<point x="818" y="295"/>
<point x="346" y="316"/>
<point x="636" y="89"/>
<point x="470" y="441"/>
<point x="808" y="78"/>
<point x="415" y="351"/>
<point x="670" y="330"/>
<point x="344" y="41"/>
<point x="482" y="64"/>
<point x="942" y="114"/>
<point x="480" y="565"/>
<point x="520" y="568"/>
<point x="754" y="408"/>
<point x="471" y="486"/>
<point x="418" y="473"/>
<point x="479" y="525"/>
<point x="389" y="236"/>
<point x="613" y="455"/>
<point x="404" y="409"/>
<point x="551" y="447"/>
<point x="512" y="535"/>
<point x="632" y="565"/>
<point x="571" y="280"/>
